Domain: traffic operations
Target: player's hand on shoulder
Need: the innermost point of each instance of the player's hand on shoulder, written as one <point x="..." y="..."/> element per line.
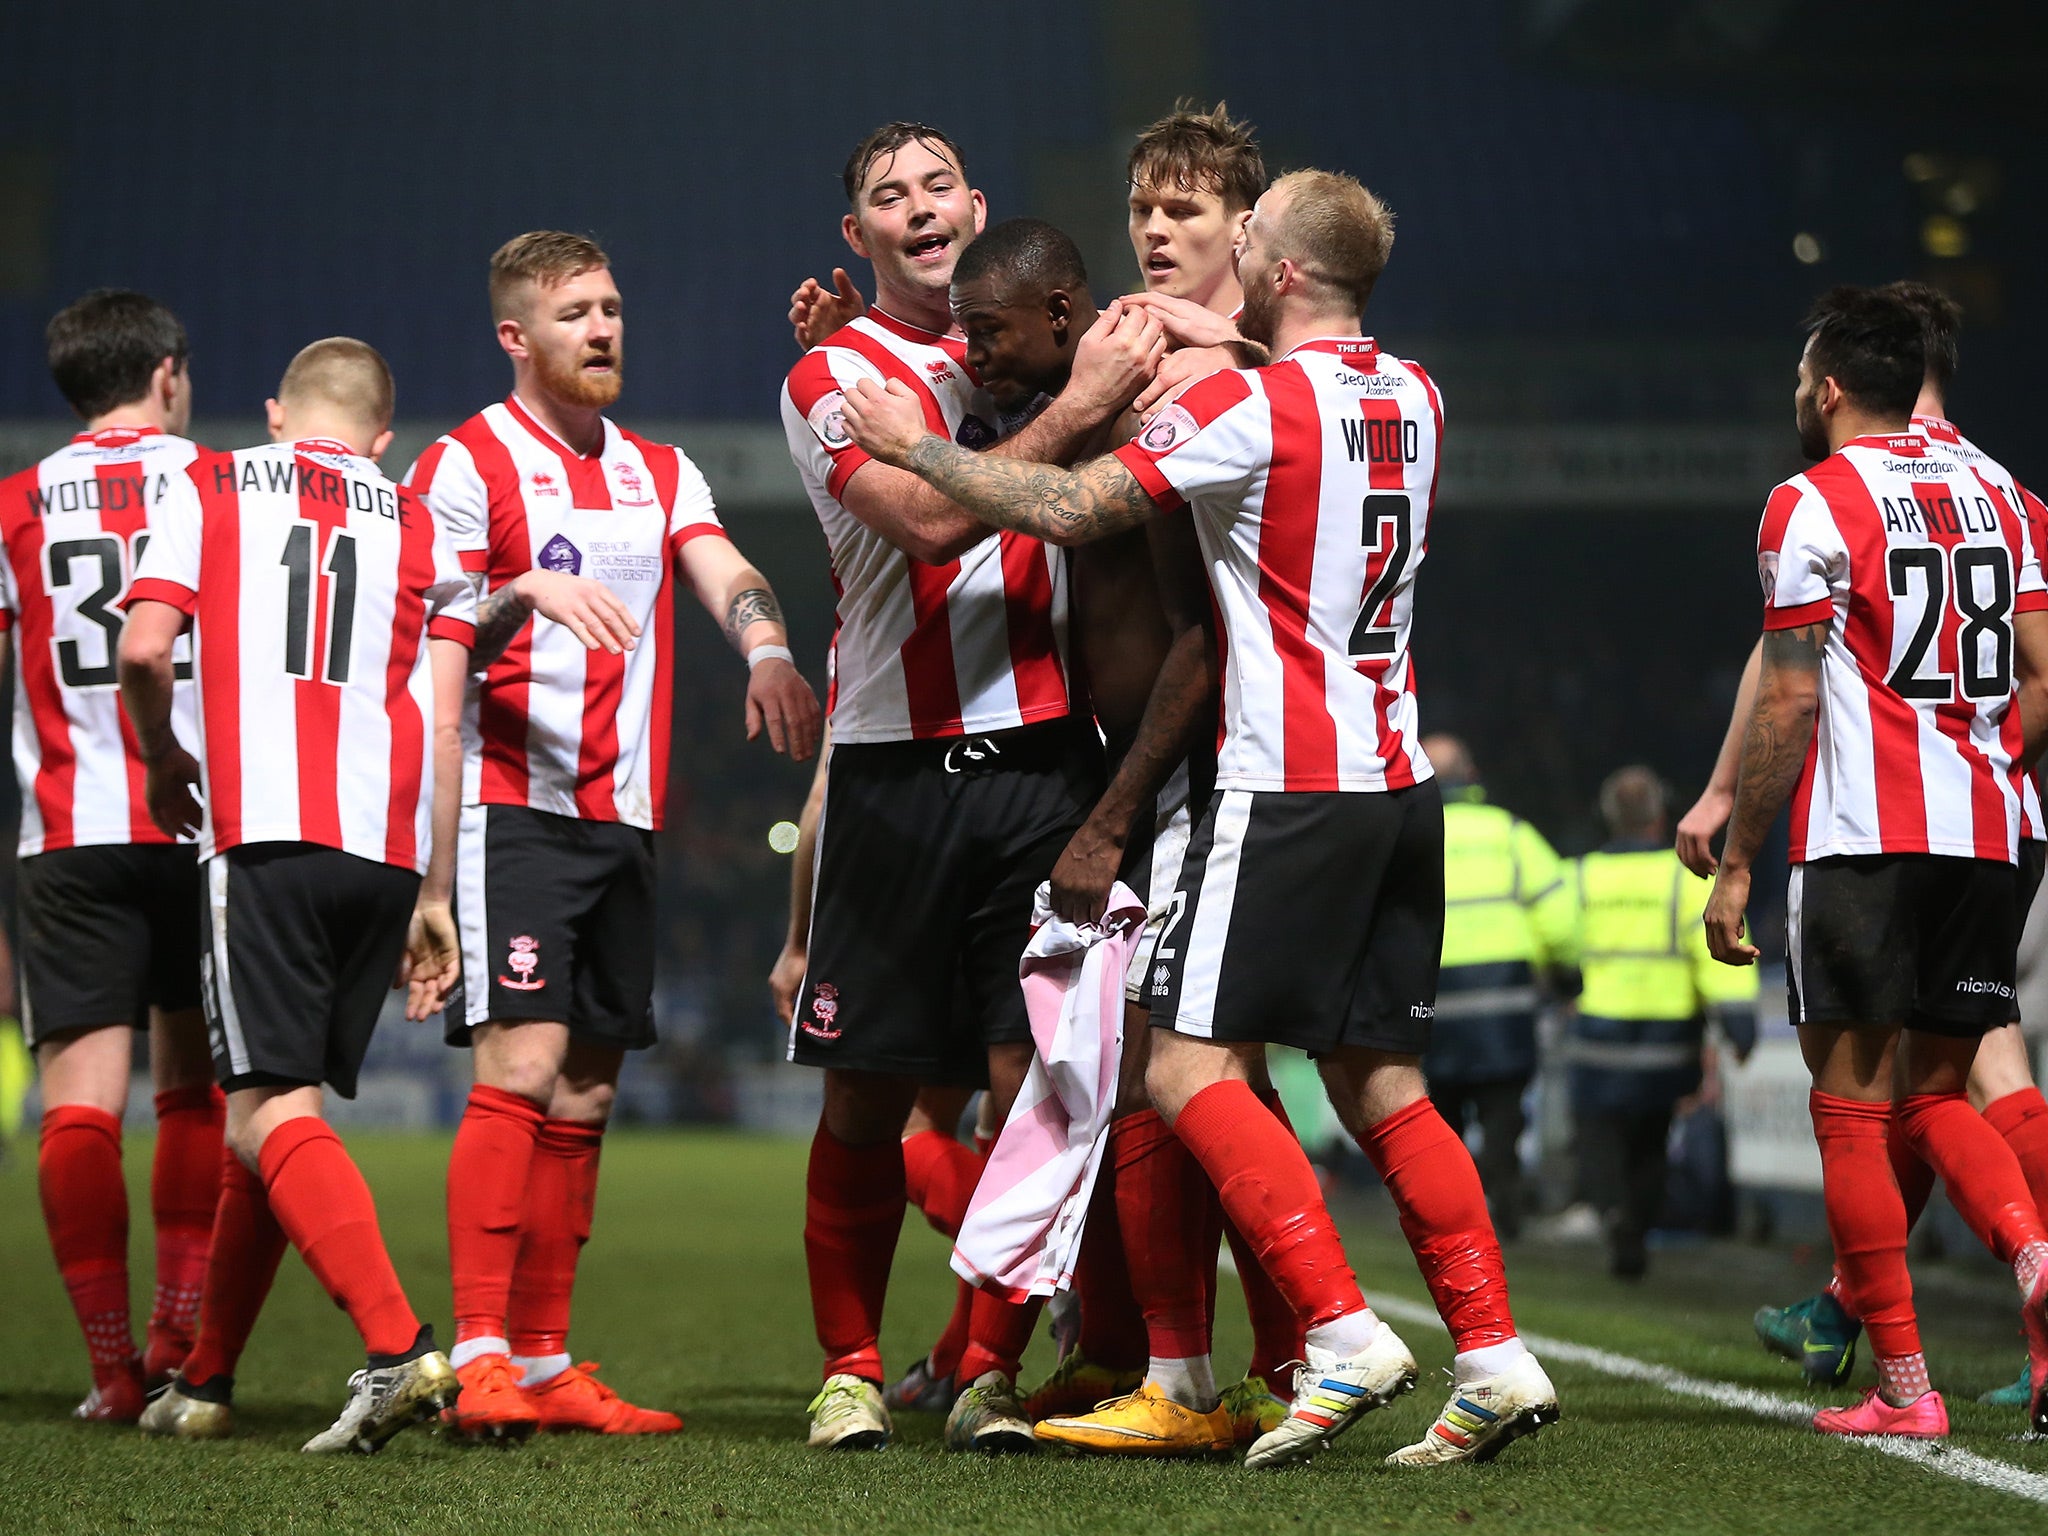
<point x="780" y="702"/>
<point x="1186" y="323"/>
<point x="1177" y="370"/>
<point x="1723" y="919"/>
<point x="588" y="609"/>
<point x="815" y="313"/>
<point x="1698" y="828"/>
<point x="887" y="421"/>
<point x="1083" y="874"/>
<point x="432" y="963"/>
<point x="1115" y="359"/>
<point x="785" y="980"/>
<point x="172" y="791"/>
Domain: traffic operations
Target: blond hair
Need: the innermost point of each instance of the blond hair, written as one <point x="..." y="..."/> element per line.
<point x="342" y="375"/>
<point x="1335" y="231"/>
<point x="542" y="257"/>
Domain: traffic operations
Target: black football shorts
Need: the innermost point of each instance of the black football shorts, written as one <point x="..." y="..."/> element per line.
<point x="107" y="933"/>
<point x="302" y="942"/>
<point x="557" y="922"/>
<point x="1913" y="940"/>
<point x="1307" y="919"/>
<point x="928" y="856"/>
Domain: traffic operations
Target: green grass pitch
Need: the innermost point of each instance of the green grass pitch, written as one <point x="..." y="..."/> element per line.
<point x="692" y="1294"/>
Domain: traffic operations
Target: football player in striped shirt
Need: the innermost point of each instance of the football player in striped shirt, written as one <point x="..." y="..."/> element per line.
<point x="580" y="535"/>
<point x="1820" y="1331"/>
<point x="1311" y="898"/>
<point x="1905" y="626"/>
<point x="331" y="631"/>
<point x="109" y="904"/>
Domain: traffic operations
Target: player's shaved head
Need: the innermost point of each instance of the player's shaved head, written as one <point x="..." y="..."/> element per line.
<point x="882" y="145"/>
<point x="1632" y="802"/>
<point x="340" y="377"/>
<point x="1197" y="151"/>
<point x="1336" y="232"/>
<point x="1873" y="344"/>
<point x="1023" y="257"/>
<point x="538" y="259"/>
<point x="1941" y="320"/>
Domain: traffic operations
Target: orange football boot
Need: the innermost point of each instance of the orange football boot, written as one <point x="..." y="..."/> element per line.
<point x="577" y="1400"/>
<point x="492" y="1405"/>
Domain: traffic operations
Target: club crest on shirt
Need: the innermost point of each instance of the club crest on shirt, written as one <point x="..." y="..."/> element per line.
<point x="824" y="1012"/>
<point x="631" y="483"/>
<point x="543" y="483"/>
<point x="828" y="420"/>
<point x="1168" y="430"/>
<point x="522" y="958"/>
<point x="558" y="554"/>
<point x="974" y="433"/>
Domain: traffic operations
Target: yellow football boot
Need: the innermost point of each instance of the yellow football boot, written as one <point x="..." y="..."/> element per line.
<point x="1146" y="1423"/>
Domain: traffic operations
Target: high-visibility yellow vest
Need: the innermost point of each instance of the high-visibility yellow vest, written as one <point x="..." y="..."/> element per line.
<point x="1505" y="893"/>
<point x="1642" y="949"/>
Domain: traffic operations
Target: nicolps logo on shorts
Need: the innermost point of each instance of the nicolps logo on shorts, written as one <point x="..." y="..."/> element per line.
<point x="824" y="1012"/>
<point x="523" y="959"/>
<point x="1972" y="985"/>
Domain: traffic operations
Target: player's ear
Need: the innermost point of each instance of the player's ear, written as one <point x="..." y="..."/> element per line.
<point x="1829" y="397"/>
<point x="980" y="211"/>
<point x="163" y="381"/>
<point x="273" y="418"/>
<point x="512" y="337"/>
<point x="1059" y="308"/>
<point x="850" y="228"/>
<point x="379" y="444"/>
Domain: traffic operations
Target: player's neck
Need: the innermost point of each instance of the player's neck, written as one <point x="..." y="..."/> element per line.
<point x="136" y="413"/>
<point x="1295" y="327"/>
<point x="580" y="427"/>
<point x="1931" y="403"/>
<point x="926" y="311"/>
<point x="326" y="429"/>
<point x="1848" y="424"/>
<point x="1225" y="295"/>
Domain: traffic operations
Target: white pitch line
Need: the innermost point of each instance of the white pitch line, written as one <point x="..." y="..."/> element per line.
<point x="1934" y="1455"/>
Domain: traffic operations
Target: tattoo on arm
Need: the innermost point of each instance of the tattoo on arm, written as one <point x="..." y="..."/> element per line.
<point x="1061" y="506"/>
<point x="499" y="618"/>
<point x="1775" y="743"/>
<point x="750" y="607"/>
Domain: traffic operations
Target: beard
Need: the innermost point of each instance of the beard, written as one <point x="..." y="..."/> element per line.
<point x="570" y="384"/>
<point x="1813" y="435"/>
<point x="1259" y="320"/>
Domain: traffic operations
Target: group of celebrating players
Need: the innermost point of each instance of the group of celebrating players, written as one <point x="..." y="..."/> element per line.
<point x="423" y="729"/>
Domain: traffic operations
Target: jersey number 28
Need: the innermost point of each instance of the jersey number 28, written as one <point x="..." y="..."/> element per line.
<point x="1977" y="579"/>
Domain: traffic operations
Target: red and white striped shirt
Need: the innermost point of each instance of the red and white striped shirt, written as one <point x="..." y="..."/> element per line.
<point x="1310" y="482"/>
<point x="73" y="528"/>
<point x="550" y="725"/>
<point x="1917" y="566"/>
<point x="1947" y="437"/>
<point x="977" y="644"/>
<point x="313" y="583"/>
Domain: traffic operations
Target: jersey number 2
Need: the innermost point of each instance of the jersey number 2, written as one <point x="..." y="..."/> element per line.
<point x="1391" y="540"/>
<point x="340" y="567"/>
<point x="1985" y="615"/>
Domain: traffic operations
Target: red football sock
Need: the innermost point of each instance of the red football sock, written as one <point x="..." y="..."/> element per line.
<point x="997" y="1336"/>
<point x="1112" y="1332"/>
<point x="944" y="1359"/>
<point x="320" y="1200"/>
<point x="1276" y="1331"/>
<point x="184" y="1189"/>
<point x="85" y="1206"/>
<point x="853" y="1213"/>
<point x="1977" y="1168"/>
<point x="1162" y="1203"/>
<point x="1270" y="1191"/>
<point x="939" y="1175"/>
<point x="1914" y="1178"/>
<point x="247" y="1244"/>
<point x="2022" y="1119"/>
<point x="1442" y="1208"/>
<point x="1866" y="1219"/>
<point x="561" y="1196"/>
<point x="487" y="1175"/>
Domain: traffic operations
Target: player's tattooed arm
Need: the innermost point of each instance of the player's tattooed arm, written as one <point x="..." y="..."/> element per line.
<point x="588" y="609"/>
<point x="1060" y="506"/>
<point x="1774" y="747"/>
<point x="755" y="605"/>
